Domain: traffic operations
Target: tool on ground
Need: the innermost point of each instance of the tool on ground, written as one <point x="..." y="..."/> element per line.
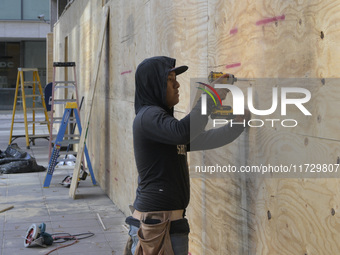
<point x="223" y="111"/>
<point x="36" y="236"/>
<point x="66" y="182"/>
<point x="30" y="101"/>
<point x="60" y="142"/>
<point x="60" y="98"/>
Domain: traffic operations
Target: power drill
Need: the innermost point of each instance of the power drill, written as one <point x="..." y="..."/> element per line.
<point x="215" y="75"/>
<point x="222" y="111"/>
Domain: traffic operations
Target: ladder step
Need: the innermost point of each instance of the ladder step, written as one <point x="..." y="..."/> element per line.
<point x="28" y="69"/>
<point x="30" y="82"/>
<point x="69" y="141"/>
<point x="64" y="64"/>
<point x="36" y="95"/>
<point x="31" y="122"/>
<point x="63" y="101"/>
<point x="32" y="136"/>
<point x="39" y="136"/>
<point x="35" y="108"/>
<point x="59" y="121"/>
<point x="64" y="87"/>
<point x="60" y="118"/>
<point x="64" y="82"/>
<point x="72" y="136"/>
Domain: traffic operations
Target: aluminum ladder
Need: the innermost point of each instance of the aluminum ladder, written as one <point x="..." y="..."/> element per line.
<point x="59" y="99"/>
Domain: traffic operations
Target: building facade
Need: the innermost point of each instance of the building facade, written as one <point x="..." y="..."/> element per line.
<point x="24" y="25"/>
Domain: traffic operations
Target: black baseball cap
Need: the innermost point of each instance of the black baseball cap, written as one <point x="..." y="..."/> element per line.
<point x="178" y="70"/>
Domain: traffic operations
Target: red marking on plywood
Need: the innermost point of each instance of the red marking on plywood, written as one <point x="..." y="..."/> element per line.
<point x="269" y="20"/>
<point x="125" y="72"/>
<point x="233" y="31"/>
<point x="232" y="65"/>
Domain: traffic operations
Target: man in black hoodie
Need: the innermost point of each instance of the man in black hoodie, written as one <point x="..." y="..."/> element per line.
<point x="160" y="145"/>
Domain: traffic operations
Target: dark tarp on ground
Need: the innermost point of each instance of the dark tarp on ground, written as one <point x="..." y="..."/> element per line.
<point x="13" y="161"/>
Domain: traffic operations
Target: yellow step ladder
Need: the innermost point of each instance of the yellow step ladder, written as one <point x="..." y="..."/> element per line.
<point x="22" y="87"/>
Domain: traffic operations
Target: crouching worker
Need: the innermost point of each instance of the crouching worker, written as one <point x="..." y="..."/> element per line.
<point x="158" y="224"/>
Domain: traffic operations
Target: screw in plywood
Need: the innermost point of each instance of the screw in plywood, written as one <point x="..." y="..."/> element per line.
<point x="322" y="35"/>
<point x="269" y="215"/>
<point x="323" y="81"/>
<point x="332" y="211"/>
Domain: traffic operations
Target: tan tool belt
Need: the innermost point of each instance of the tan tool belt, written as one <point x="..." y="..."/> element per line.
<point x="154" y="239"/>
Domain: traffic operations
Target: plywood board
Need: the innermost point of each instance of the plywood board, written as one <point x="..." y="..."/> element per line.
<point x="237" y="214"/>
<point x="294" y="219"/>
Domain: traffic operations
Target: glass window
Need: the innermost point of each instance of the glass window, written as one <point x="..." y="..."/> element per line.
<point x="10" y="9"/>
<point x="33" y="8"/>
<point x="9" y="63"/>
<point x="33" y="54"/>
<point x="35" y="57"/>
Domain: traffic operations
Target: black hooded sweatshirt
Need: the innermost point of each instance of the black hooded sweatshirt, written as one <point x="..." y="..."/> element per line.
<point x="161" y="141"/>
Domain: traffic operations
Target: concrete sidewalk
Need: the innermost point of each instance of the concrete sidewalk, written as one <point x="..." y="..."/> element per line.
<point x="61" y="214"/>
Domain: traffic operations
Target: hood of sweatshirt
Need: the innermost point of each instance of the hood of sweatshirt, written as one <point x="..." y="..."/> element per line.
<point x="151" y="82"/>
